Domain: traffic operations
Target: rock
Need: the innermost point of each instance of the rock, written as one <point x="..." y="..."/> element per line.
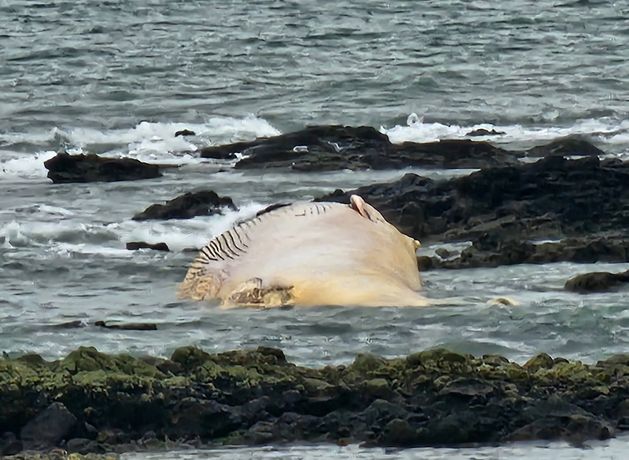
<point x="187" y="206"/>
<point x="596" y="282"/>
<point x="567" y="146"/>
<point x="48" y="428"/>
<point x="128" y="326"/>
<point x="65" y="168"/>
<point x="484" y="132"/>
<point x="540" y="361"/>
<point x="579" y="250"/>
<point x="9" y="444"/>
<point x="135" y="245"/>
<point x="326" y="148"/>
<point x="433" y="397"/>
<point x="82" y="446"/>
<point x="185" y="132"/>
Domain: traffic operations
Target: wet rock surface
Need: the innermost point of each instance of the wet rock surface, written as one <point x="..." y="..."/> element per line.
<point x="93" y="402"/>
<point x="502" y="209"/>
<point x="187" y="206"/>
<point x="509" y="252"/>
<point x="65" y="168"/>
<point x="135" y="245"/>
<point x="566" y="146"/>
<point x="597" y="282"/>
<point x="326" y="148"/>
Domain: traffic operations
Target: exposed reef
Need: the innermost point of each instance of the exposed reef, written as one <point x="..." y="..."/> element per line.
<point x="65" y="168"/>
<point x="336" y="147"/>
<point x="94" y="402"/>
<point x="326" y="148"/>
<point x="187" y="206"/>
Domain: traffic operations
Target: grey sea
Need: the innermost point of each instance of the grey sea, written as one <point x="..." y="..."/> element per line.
<point x="119" y="78"/>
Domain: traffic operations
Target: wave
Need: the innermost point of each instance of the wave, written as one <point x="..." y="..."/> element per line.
<point x="69" y="236"/>
<point x="151" y="142"/>
<point x="155" y="142"/>
<point x="603" y="130"/>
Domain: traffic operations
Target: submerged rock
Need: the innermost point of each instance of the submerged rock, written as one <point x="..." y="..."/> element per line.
<point x="94" y="402"/>
<point x="187" y="206"/>
<point x="64" y="168"/>
<point x="596" y="281"/>
<point x="325" y="148"/>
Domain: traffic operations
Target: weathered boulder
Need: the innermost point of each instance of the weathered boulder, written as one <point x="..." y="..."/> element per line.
<point x="435" y="397"/>
<point x="324" y="148"/>
<point x="48" y="428"/>
<point x="64" y="168"/>
<point x="566" y="146"/>
<point x="187" y="206"/>
<point x="596" y="281"/>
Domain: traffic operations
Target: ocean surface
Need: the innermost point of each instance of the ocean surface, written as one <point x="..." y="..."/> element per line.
<point x="119" y="78"/>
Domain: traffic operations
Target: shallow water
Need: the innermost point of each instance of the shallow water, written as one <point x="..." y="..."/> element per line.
<point x="120" y="78"/>
<point x="614" y="449"/>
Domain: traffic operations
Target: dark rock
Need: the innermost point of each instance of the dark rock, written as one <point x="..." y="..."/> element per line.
<point x="579" y="250"/>
<point x="567" y="146"/>
<point x="325" y="148"/>
<point x="187" y="206"/>
<point x="65" y="168"/>
<point x="540" y="361"/>
<point x="135" y="245"/>
<point x="434" y="397"/>
<point x="82" y="446"/>
<point x="9" y="444"/>
<point x="596" y="281"/>
<point x="128" y="326"/>
<point x="558" y="419"/>
<point x="185" y="132"/>
<point x="48" y="428"/>
<point x="484" y="132"/>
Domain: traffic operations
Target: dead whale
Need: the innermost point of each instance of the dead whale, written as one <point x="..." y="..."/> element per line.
<point x="308" y="254"/>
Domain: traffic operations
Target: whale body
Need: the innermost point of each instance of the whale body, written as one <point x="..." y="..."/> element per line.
<point x="308" y="254"/>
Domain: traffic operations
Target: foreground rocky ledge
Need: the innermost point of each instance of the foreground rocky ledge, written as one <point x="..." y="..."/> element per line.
<point x="94" y="402"/>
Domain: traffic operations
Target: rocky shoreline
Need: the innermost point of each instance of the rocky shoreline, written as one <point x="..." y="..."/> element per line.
<point x="91" y="402"/>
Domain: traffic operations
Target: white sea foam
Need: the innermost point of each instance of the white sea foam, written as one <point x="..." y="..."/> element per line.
<point x="46" y="233"/>
<point x="68" y="236"/>
<point x="182" y="234"/>
<point x="25" y="166"/>
<point x="417" y="130"/>
<point x="152" y="142"/>
<point x="156" y="141"/>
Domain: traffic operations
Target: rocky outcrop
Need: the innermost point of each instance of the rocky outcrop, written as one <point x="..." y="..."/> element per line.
<point x="566" y="146"/>
<point x="433" y="397"/>
<point x="135" y="245"/>
<point x="597" y="282"/>
<point x="65" y="168"/>
<point x="325" y="148"/>
<point x="483" y="253"/>
<point x="187" y="206"/>
<point x="336" y="147"/>
<point x="552" y="198"/>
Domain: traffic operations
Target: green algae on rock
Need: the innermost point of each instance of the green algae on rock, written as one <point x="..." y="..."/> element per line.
<point x="101" y="403"/>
